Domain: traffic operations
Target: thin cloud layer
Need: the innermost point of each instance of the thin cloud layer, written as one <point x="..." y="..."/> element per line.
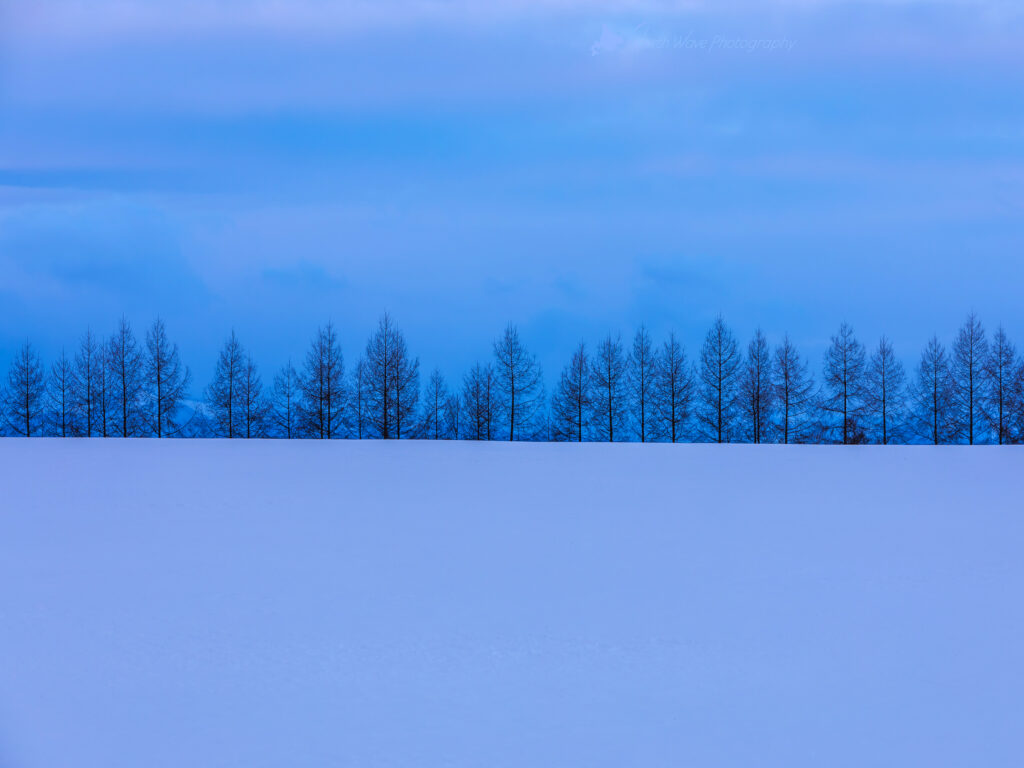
<point x="569" y="165"/>
<point x="100" y="21"/>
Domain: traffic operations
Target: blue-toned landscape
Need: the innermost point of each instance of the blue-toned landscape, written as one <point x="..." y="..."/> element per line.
<point x="511" y="383"/>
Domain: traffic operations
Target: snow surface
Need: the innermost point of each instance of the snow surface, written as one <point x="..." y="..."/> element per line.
<point x="189" y="604"/>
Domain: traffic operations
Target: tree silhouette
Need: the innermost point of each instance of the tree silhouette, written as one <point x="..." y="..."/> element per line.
<point x="932" y="395"/>
<point x="23" y="397"/>
<point x="479" y="401"/>
<point x="572" y="402"/>
<point x="794" y="394"/>
<point x="718" y="377"/>
<point x="285" y="402"/>
<point x="755" y="390"/>
<point x="223" y="395"/>
<point x="673" y="391"/>
<point x="392" y="382"/>
<point x="1001" y="369"/>
<point x="967" y="367"/>
<point x="843" y="402"/>
<point x="884" y="385"/>
<point x="322" y="385"/>
<point x="125" y="365"/>
<point x="520" y="385"/>
<point x="641" y="374"/>
<point x="62" y="414"/>
<point x="166" y="381"/>
<point x="608" y="381"/>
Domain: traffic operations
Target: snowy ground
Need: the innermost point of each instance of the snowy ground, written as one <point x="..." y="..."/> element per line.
<point x="188" y="604"/>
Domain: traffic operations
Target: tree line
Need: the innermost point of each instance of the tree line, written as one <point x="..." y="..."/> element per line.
<point x="643" y="391"/>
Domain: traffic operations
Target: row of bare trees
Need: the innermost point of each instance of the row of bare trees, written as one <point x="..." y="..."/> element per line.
<point x="114" y="387"/>
<point x="117" y="387"/>
<point x="970" y="393"/>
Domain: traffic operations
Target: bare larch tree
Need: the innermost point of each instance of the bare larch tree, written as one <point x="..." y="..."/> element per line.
<point x="520" y="386"/>
<point x="23" y="398"/>
<point x="932" y="397"/>
<point x="125" y="364"/>
<point x="284" y="411"/>
<point x="755" y="390"/>
<point x="222" y="395"/>
<point x="608" y="379"/>
<point x="380" y="392"/>
<point x="324" y="392"/>
<point x="253" y="406"/>
<point x="392" y="382"/>
<point x="719" y="374"/>
<point x="794" y="394"/>
<point x="453" y="416"/>
<point x="105" y="391"/>
<point x="885" y="394"/>
<point x="843" y="400"/>
<point x="434" y="426"/>
<point x="62" y="415"/>
<point x="673" y="392"/>
<point x="89" y="369"/>
<point x="479" y="395"/>
<point x="1000" y="369"/>
<point x="360" y="400"/>
<point x="970" y="352"/>
<point x="1016" y="407"/>
<point x="166" y="381"/>
<point x="571" y="403"/>
<point x="641" y="371"/>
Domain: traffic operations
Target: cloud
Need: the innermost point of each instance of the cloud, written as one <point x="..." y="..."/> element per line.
<point x="98" y="252"/>
<point x="304" y="277"/>
<point x="102" y="21"/>
<point x="475" y="160"/>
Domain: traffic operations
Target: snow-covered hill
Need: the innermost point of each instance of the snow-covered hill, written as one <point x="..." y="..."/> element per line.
<point x="184" y="603"/>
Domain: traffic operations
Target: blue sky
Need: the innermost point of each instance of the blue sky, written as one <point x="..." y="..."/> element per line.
<point x="577" y="167"/>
